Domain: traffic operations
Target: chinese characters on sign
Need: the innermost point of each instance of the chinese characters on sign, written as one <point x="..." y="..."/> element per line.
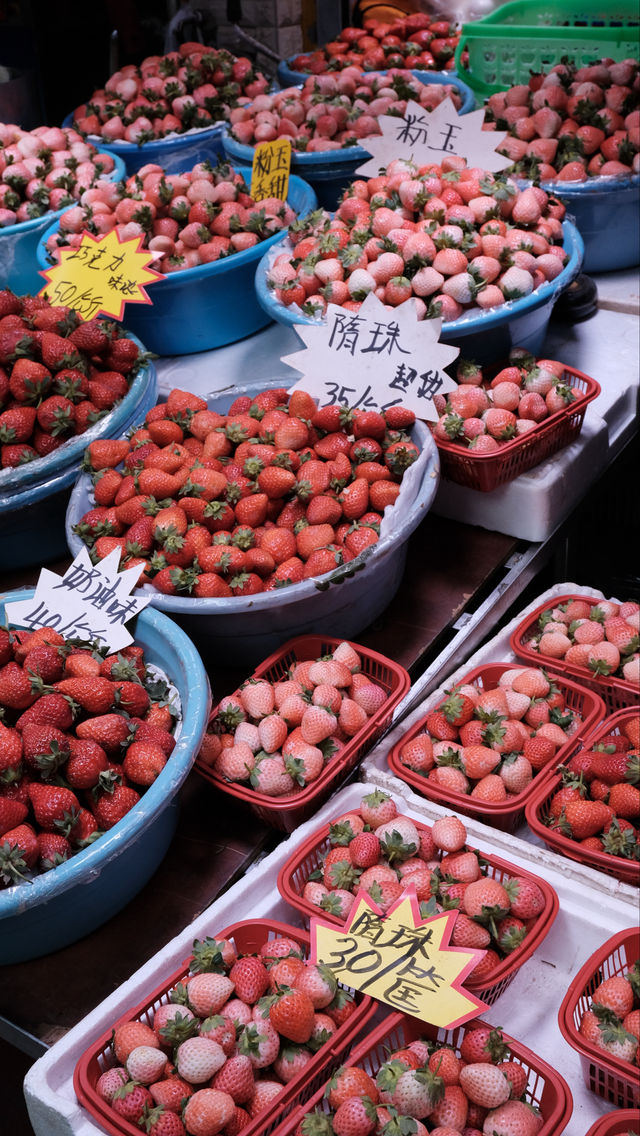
<point x="270" y="170"/>
<point x="426" y="136"/>
<point x="401" y="959"/>
<point x="101" y="276"/>
<point x="91" y="601"/>
<point x="374" y="358"/>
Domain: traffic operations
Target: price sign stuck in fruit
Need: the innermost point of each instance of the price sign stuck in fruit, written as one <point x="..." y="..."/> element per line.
<point x="425" y="137"/>
<point x="401" y="959"/>
<point x="100" y="276"/>
<point x="91" y="601"/>
<point x="374" y="358"/>
<point x="270" y="170"/>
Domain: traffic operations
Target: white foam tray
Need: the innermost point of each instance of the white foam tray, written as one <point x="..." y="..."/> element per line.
<point x="527" y="1010"/>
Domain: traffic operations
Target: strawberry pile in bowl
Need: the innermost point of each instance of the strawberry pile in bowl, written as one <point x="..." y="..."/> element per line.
<point x="282" y="513"/>
<point x="482" y="746"/>
<point x="91" y="760"/>
<point x="503" y="910"/>
<point x="576" y="130"/>
<point x="42" y="172"/>
<point x="469" y="247"/>
<point x="501" y="422"/>
<point x="243" y="1029"/>
<point x="595" y="640"/>
<point x="599" y="1017"/>
<point x="293" y="731"/>
<point x="169" y="108"/>
<point x="590" y="809"/>
<point x="411" y="1077"/>
<point x="415" y="41"/>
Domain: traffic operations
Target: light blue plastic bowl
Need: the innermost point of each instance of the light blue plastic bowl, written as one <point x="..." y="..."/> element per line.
<point x="331" y="171"/>
<point x="484" y="336"/>
<point x="246" y="629"/>
<point x="60" y="906"/>
<point x="207" y="306"/>
<point x="175" y="155"/>
<point x="607" y="214"/>
<point x="19" y="243"/>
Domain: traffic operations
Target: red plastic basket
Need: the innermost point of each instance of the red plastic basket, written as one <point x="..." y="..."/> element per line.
<point x="621" y="1122"/>
<point x="545" y="1088"/>
<point x="287" y="813"/>
<point x="616" y="692"/>
<point x="537" y="810"/>
<point x="487" y="471"/>
<point x="247" y="937"/>
<point x="505" y="815"/>
<point x="617" y="1081"/>
<point x="296" y="871"/>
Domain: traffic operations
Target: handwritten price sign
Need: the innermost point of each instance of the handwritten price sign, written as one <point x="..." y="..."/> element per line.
<point x="424" y="136"/>
<point x="101" y="276"/>
<point x="401" y="959"/>
<point x="374" y="358"/>
<point x="270" y="170"/>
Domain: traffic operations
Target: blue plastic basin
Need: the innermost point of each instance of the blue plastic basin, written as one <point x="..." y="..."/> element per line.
<point x="247" y="629"/>
<point x="207" y="306"/>
<point x="484" y="336"/>
<point x="19" y="268"/>
<point x="62" y="905"/>
<point x="331" y="171"/>
<point x="607" y="213"/>
<point x="176" y="154"/>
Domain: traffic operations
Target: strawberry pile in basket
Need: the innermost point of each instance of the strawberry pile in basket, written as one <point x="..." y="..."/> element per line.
<point x="189" y="218"/>
<point x="45" y="169"/>
<point x="572" y="123"/>
<point x="58" y="376"/>
<point x="601" y="637"/>
<point x="274" y="492"/>
<point x="82" y="735"/>
<point x="453" y="237"/>
<point x="612" y="1023"/>
<point x="415" y="41"/>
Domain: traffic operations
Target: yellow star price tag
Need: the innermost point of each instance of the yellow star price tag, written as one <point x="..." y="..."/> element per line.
<point x="270" y="170"/>
<point x="101" y="276"/>
<point x="401" y="959"/>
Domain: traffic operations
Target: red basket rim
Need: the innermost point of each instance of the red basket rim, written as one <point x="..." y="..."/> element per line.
<point x="506" y="966"/>
<point x="493" y="808"/>
<point x="616" y="1123"/>
<point x="517" y="443"/>
<point x="519" y="648"/>
<point x="119" y="1126"/>
<point x="334" y="766"/>
<point x="577" y="989"/>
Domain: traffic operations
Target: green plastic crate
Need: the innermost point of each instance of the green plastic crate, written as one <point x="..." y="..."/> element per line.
<point x="533" y="35"/>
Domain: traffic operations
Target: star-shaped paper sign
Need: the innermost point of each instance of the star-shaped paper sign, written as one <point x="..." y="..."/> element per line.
<point x="374" y="358"/>
<point x="424" y="136"/>
<point x="401" y="959"/>
<point x="101" y="275"/>
<point x="91" y="601"/>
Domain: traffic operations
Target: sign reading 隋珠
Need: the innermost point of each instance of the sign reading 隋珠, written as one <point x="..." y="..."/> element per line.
<point x="424" y="137"/>
<point x="270" y="170"/>
<point x="100" y="276"/>
<point x="401" y="959"/>
<point x="91" y="601"/>
<point x="374" y="358"/>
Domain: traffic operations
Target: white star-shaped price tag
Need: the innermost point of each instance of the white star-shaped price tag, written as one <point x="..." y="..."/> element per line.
<point x="424" y="136"/>
<point x="374" y="358"/>
<point x="91" y="601"/>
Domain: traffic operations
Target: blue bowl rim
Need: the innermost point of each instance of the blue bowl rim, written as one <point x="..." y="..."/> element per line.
<point x="284" y="69"/>
<point x="475" y="321"/>
<point x="116" y="174"/>
<point x="595" y="186"/>
<point x="171" y="141"/>
<point x="77" y="869"/>
<point x="216" y="267"/>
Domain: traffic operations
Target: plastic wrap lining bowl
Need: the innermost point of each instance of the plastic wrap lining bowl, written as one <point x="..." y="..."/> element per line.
<point x="19" y="268"/>
<point x="207" y="306"/>
<point x="245" y="629"/>
<point x="486" y="336"/>
<point x="175" y="154"/>
<point x="62" y="905"/>
<point x="331" y="171"/>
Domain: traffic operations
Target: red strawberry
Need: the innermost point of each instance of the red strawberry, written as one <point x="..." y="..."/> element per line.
<point x="55" y="808"/>
<point x="18" y="853"/>
<point x="12" y="814"/>
<point x="112" y="807"/>
<point x="53" y="849"/>
<point x="251" y="979"/>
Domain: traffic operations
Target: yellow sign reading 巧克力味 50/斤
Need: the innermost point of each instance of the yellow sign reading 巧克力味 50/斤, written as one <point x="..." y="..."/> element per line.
<point x="100" y="276"/>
